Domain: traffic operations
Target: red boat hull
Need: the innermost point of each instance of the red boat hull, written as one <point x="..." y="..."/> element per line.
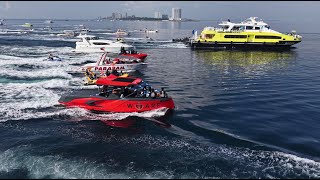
<point x="102" y="104"/>
<point x="141" y="56"/>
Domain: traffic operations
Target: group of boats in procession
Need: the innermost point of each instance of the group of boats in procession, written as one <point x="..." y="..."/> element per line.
<point x="120" y="92"/>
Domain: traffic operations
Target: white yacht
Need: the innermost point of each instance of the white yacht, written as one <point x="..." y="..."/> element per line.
<point x="121" y="32"/>
<point x="90" y="43"/>
<point x="67" y="33"/>
<point x="48" y="21"/>
<point x="152" y="31"/>
<point x="83" y="29"/>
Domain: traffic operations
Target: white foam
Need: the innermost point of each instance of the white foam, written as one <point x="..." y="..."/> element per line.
<point x="120" y="116"/>
<point x="57" y="167"/>
<point x="173" y="45"/>
<point x="18" y="50"/>
<point x="42" y="73"/>
<point x="22" y="101"/>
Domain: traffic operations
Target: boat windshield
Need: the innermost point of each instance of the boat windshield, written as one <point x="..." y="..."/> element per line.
<point x="225" y="27"/>
<point x="94" y="38"/>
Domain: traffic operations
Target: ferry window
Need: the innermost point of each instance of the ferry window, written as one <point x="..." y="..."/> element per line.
<point x="249" y="27"/>
<point x="225" y="27"/>
<point x="257" y="28"/>
<point x="268" y="37"/>
<point x="100" y="43"/>
<point x="209" y="36"/>
<point x="235" y="36"/>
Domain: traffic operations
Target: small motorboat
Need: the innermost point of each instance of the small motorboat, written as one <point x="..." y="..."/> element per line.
<point x="120" y="95"/>
<point x="53" y="58"/>
<point x="152" y="31"/>
<point x="104" y="63"/>
<point x="48" y="21"/>
<point x="67" y="33"/>
<point x="84" y="30"/>
<point x="121" y="32"/>
<point x="141" y="56"/>
<point x="29" y="25"/>
<point x="134" y="54"/>
<point x="91" y="77"/>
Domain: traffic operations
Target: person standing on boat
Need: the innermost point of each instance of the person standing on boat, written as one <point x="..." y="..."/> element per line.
<point x="50" y="57"/>
<point x="115" y="72"/>
<point x="107" y="72"/>
<point x="153" y="94"/>
<point x="90" y="74"/>
<point x="104" y="91"/>
<point x="148" y="92"/>
<point x="163" y="94"/>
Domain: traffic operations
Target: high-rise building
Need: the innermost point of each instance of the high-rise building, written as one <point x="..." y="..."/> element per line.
<point x="157" y="15"/>
<point x="113" y="15"/>
<point x="165" y="16"/>
<point x="118" y="15"/>
<point x="176" y="14"/>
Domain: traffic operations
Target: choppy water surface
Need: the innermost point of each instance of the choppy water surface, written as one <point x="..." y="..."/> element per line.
<point x="239" y="114"/>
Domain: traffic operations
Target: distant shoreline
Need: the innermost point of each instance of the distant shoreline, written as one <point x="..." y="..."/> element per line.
<point x="135" y="20"/>
<point x="162" y="20"/>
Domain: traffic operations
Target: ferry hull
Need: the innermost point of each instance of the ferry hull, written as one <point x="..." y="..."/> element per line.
<point x="244" y="46"/>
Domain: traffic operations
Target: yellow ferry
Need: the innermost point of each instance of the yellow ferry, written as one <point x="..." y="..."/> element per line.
<point x="249" y="34"/>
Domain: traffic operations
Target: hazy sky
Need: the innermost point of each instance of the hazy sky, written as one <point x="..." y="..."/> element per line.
<point x="205" y="10"/>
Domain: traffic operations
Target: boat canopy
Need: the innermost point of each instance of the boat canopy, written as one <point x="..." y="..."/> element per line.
<point x="113" y="80"/>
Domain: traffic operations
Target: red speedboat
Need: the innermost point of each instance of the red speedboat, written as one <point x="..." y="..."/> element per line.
<point x="141" y="56"/>
<point x="120" y="94"/>
<point x="133" y="53"/>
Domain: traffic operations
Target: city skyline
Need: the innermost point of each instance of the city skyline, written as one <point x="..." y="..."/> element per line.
<point x="175" y="16"/>
<point x="308" y="11"/>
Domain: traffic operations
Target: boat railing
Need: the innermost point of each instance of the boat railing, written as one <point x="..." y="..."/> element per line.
<point x="230" y="31"/>
<point x="209" y="28"/>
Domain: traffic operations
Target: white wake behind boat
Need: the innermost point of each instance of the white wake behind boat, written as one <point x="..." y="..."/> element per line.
<point x="105" y="63"/>
<point x="91" y="44"/>
<point x="7" y="31"/>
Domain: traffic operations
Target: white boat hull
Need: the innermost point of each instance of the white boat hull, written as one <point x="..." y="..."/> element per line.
<point x="98" y="49"/>
<point x="119" y="67"/>
<point x="89" y="43"/>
